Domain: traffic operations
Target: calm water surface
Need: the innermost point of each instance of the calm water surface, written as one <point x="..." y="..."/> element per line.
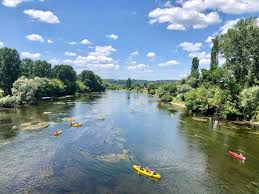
<point x="98" y="157"/>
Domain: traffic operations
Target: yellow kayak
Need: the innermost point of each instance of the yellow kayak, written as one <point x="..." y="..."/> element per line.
<point x="146" y="172"/>
<point x="76" y="125"/>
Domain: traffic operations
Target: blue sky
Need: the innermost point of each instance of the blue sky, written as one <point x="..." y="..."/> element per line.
<point x="152" y="39"/>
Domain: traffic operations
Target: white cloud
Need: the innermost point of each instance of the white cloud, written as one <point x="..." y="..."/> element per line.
<point x="190" y="47"/>
<point x="12" y="3"/>
<point x="179" y="18"/>
<point x="224" y="6"/>
<point x="30" y="55"/>
<point x="85" y="42"/>
<point x="49" y="41"/>
<point x="112" y="36"/>
<point x="1" y="44"/>
<point x="99" y="59"/>
<point x="35" y="37"/>
<point x="43" y="16"/>
<point x="203" y="57"/>
<point x="135" y="53"/>
<point x="168" y="63"/>
<point x="72" y="43"/>
<point x="70" y="54"/>
<point x="151" y="55"/>
<point x="141" y="67"/>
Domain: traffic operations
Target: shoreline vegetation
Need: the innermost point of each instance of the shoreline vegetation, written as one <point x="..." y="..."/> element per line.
<point x="228" y="90"/>
<point x="27" y="82"/>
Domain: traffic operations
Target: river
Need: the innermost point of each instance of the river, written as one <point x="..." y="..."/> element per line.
<point x="120" y="129"/>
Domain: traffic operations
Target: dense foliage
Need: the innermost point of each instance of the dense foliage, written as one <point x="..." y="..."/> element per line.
<point x="230" y="91"/>
<point x="28" y="81"/>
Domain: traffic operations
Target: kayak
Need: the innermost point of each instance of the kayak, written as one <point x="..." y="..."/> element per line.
<point x="144" y="171"/>
<point x="57" y="133"/>
<point x="76" y="125"/>
<point x="237" y="156"/>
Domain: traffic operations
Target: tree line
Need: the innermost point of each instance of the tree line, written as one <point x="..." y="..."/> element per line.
<point x="26" y="81"/>
<point x="229" y="91"/>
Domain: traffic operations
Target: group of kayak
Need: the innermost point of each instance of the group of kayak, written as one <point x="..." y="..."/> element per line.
<point x="153" y="174"/>
<point x="58" y="132"/>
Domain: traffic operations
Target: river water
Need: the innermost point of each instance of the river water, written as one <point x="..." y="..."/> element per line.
<point x="120" y="129"/>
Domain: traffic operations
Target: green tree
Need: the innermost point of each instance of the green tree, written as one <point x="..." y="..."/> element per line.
<point x="195" y="68"/>
<point x="26" y="68"/>
<point x="94" y="82"/>
<point x="81" y="87"/>
<point x="215" y="54"/>
<point x="9" y="68"/>
<point x="29" y="91"/>
<point x="41" y="69"/>
<point x="249" y="98"/>
<point x="67" y="75"/>
<point x="129" y="84"/>
<point x="56" y="88"/>
<point x="240" y="47"/>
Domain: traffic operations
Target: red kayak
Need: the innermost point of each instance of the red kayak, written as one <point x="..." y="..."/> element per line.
<point x="237" y="156"/>
<point x="57" y="133"/>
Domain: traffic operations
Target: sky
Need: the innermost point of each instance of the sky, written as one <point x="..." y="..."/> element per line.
<point x="141" y="39"/>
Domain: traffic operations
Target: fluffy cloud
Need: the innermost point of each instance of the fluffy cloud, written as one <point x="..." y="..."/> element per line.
<point x="191" y="47"/>
<point x="179" y="18"/>
<point x="99" y="59"/>
<point x="228" y="7"/>
<point x="168" y="63"/>
<point x="12" y="3"/>
<point x="135" y="53"/>
<point x="85" y="42"/>
<point x="203" y="57"/>
<point x="151" y="55"/>
<point x="1" y="44"/>
<point x="70" y="54"/>
<point x="43" y="16"/>
<point x="30" y="55"/>
<point x="112" y="36"/>
<point x="35" y="37"/>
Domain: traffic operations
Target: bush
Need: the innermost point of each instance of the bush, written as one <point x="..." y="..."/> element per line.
<point x="8" y="101"/>
<point x="55" y="88"/>
<point x="166" y="98"/>
<point x="249" y="99"/>
<point x="81" y="87"/>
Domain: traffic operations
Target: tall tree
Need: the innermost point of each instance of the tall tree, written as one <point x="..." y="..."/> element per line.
<point x="240" y="46"/>
<point x="26" y="68"/>
<point x="215" y="53"/>
<point x="42" y="69"/>
<point x="129" y="84"/>
<point x="67" y="75"/>
<point x="195" y="67"/>
<point x="9" y="68"/>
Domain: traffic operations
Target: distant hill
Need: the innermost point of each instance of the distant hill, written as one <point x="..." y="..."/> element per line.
<point x="137" y="82"/>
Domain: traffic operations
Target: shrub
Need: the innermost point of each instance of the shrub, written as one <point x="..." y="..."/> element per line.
<point x="249" y="99"/>
<point x="8" y="101"/>
<point x="81" y="87"/>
